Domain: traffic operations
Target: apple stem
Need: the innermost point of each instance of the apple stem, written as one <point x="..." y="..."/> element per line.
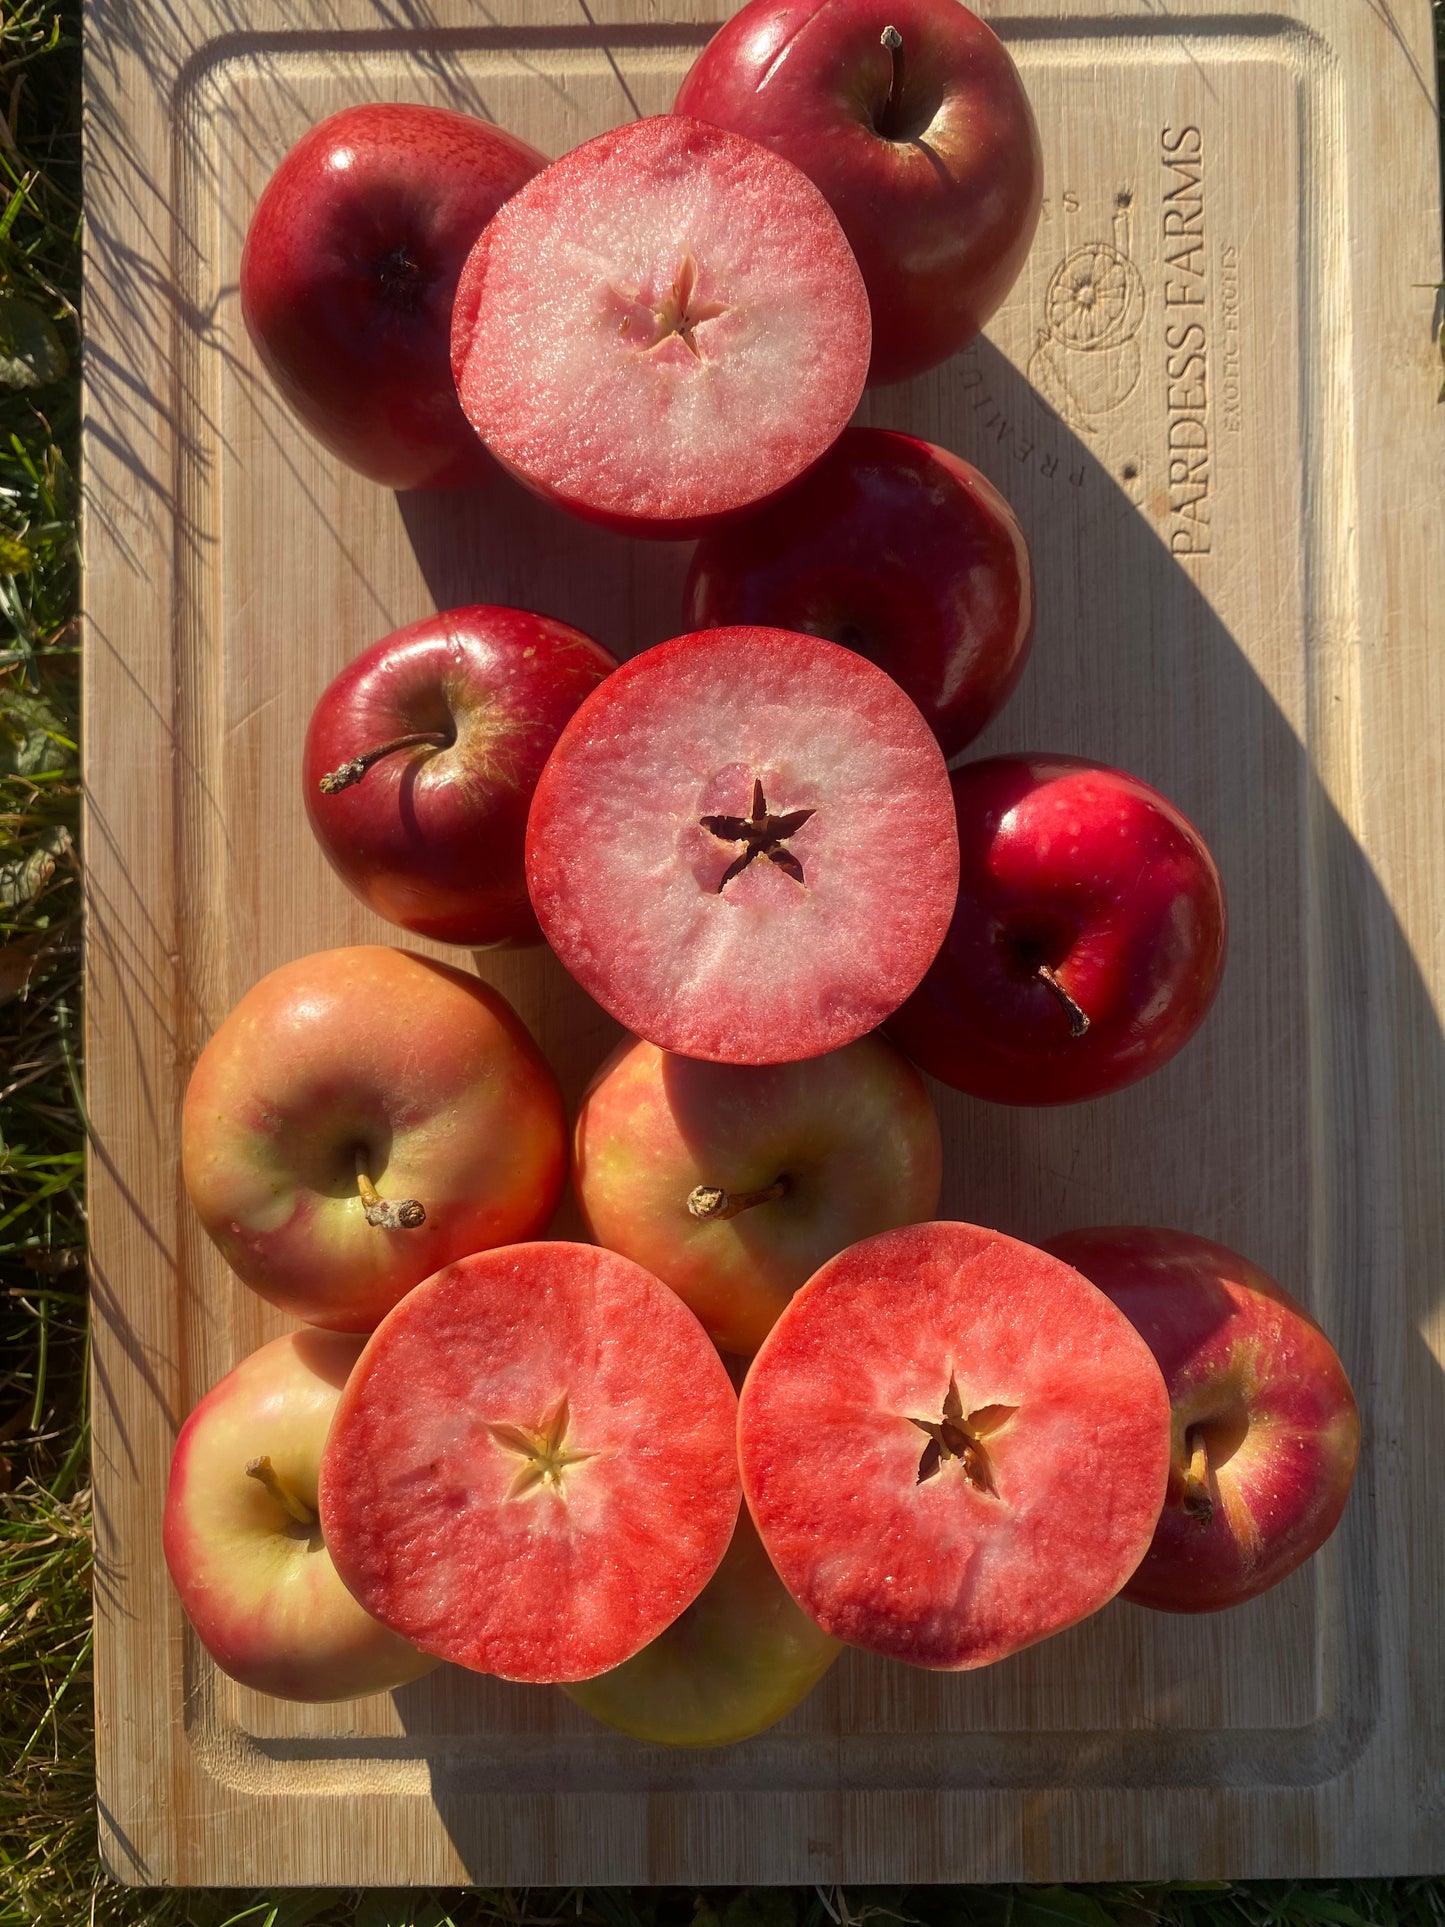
<point x="1197" y="1501"/>
<point x="709" y="1202"/>
<point x="405" y="1216"/>
<point x="892" y="39"/>
<point x="286" y="1496"/>
<point x="1078" y="1019"/>
<point x="352" y="772"/>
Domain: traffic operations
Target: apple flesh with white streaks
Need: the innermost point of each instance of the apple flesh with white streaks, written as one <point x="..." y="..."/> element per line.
<point x="743" y="846"/>
<point x="362" y="1117"/>
<point x="1265" y="1429"/>
<point x="952" y="1446"/>
<point x="242" y="1541"/>
<point x="532" y="1470"/>
<point x="735" y="1662"/>
<point x="735" y="1182"/>
<point x="664" y="327"/>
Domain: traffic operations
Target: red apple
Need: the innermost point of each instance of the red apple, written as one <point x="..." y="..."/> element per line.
<point x="348" y="276"/>
<point x="664" y="327"/>
<point x="242" y="1542"/>
<point x="898" y="549"/>
<point x="743" y="846"/>
<point x="1088" y="941"/>
<point x="1265" y="1430"/>
<point x="734" y="1182"/>
<point x="911" y="118"/>
<point x="532" y="1471"/>
<point x="952" y="1446"/>
<point x="739" y="1658"/>
<point x="421" y="759"/>
<point x="361" y="1118"/>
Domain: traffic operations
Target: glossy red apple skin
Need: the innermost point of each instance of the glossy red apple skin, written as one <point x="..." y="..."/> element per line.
<point x="433" y="838"/>
<point x="349" y="272"/>
<point x="940" y="206"/>
<point x="1092" y="873"/>
<point x="896" y="548"/>
<point x="852" y="1135"/>
<point x="258" y="1586"/>
<point x="1251" y="1374"/>
<point x="426" y="1070"/>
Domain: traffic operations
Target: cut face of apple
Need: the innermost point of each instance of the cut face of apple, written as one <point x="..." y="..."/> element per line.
<point x="738" y="1659"/>
<point x="743" y="846"/>
<point x="1265" y="1427"/>
<point x="362" y="1117"/>
<point x="532" y="1469"/>
<point x="242" y="1540"/>
<point x="665" y="327"/>
<point x="952" y="1446"/>
<point x="734" y="1182"/>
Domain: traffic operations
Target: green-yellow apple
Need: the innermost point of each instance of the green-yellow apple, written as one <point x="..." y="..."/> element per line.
<point x="242" y="1542"/>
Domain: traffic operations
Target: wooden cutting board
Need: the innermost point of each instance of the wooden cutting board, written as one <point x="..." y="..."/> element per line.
<point x="1241" y="574"/>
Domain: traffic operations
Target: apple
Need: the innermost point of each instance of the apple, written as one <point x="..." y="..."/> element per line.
<point x="896" y="548"/>
<point x="1088" y="940"/>
<point x="734" y="1182"/>
<point x="1264" y="1426"/>
<point x="349" y="272"/>
<point x="911" y="118"/>
<point x="738" y="1659"/>
<point x="664" y="327"/>
<point x="361" y="1118"/>
<point x="242" y="1542"/>
<point x="531" y="1471"/>
<point x="421" y="758"/>
<point x="952" y="1446"/>
<point x="743" y="846"/>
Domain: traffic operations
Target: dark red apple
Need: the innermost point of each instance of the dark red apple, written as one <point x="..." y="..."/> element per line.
<point x="911" y="118"/>
<point x="348" y="276"/>
<point x="665" y="327"/>
<point x="952" y="1445"/>
<point x="734" y="1182"/>
<point x="531" y="1471"/>
<point x="1088" y="941"/>
<point x="743" y="846"/>
<point x="421" y="759"/>
<point x="1265" y="1430"/>
<point x="895" y="548"/>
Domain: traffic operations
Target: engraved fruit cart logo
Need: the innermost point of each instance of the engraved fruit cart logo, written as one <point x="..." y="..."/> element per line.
<point x="1086" y="359"/>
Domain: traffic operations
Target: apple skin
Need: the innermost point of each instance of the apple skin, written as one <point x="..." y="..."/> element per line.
<point x="427" y="1071"/>
<point x="896" y="548"/>
<point x="257" y="1586"/>
<point x="853" y="1133"/>
<point x="1090" y="872"/>
<point x="940" y="210"/>
<point x="739" y="1658"/>
<point x="1245" y="1364"/>
<point x="433" y="838"/>
<point x="348" y="274"/>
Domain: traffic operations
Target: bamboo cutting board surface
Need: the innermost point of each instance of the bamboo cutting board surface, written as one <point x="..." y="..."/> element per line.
<point x="1241" y="575"/>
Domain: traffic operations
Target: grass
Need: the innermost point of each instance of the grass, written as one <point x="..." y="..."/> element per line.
<point x="49" y="1874"/>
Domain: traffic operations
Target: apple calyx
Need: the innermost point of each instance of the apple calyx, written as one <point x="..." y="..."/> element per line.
<point x="285" y="1494"/>
<point x="764" y="834"/>
<point x="352" y="772"/>
<point x="1078" y="1017"/>
<point x="709" y="1203"/>
<point x="957" y="1437"/>
<point x="403" y="1216"/>
<point x="1197" y="1500"/>
<point x="543" y="1450"/>
<point x="402" y="280"/>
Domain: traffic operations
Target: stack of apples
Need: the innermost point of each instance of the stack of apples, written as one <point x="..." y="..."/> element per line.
<point x="753" y="846"/>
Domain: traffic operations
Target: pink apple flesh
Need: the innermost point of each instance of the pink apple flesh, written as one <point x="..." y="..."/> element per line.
<point x="251" y="1567"/>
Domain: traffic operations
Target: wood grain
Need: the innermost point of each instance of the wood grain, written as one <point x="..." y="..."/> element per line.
<point x="1241" y="580"/>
